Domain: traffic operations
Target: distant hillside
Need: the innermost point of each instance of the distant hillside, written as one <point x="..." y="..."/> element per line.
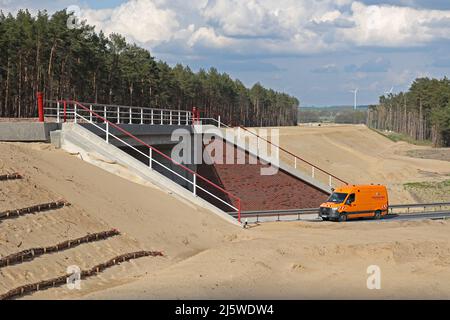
<point x="333" y="114"/>
<point x="337" y="108"/>
<point x="422" y="113"/>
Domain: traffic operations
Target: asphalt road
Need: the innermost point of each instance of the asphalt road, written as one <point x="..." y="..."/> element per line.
<point x="419" y="216"/>
<point x="391" y="217"/>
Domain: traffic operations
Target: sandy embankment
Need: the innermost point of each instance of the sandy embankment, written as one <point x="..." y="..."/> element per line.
<point x="149" y="219"/>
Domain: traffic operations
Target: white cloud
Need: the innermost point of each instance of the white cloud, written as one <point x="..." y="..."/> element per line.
<point x="207" y="37"/>
<point x="269" y="26"/>
<point x="328" y="68"/>
<point x="5" y="3"/>
<point x="143" y="21"/>
<point x="391" y="26"/>
<point x="243" y="18"/>
<point x="312" y="26"/>
<point x="405" y="77"/>
<point x="271" y="18"/>
<point x="13" y="6"/>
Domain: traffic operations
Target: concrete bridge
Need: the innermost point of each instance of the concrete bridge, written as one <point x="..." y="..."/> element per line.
<point x="141" y="140"/>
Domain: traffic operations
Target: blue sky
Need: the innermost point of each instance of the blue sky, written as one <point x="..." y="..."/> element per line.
<point x="316" y="50"/>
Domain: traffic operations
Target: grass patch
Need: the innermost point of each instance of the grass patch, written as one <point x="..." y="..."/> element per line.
<point x="426" y="185"/>
<point x="417" y="185"/>
<point x="396" y="137"/>
<point x="430" y="191"/>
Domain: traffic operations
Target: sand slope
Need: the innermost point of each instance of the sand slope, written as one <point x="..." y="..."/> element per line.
<point x="148" y="218"/>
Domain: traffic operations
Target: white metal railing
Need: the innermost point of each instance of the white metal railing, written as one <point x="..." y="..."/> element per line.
<point x="298" y="163"/>
<point x="83" y="114"/>
<point x="64" y="111"/>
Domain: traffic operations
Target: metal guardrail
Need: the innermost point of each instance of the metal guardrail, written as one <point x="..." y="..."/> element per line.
<point x="299" y="212"/>
<point x="419" y="205"/>
<point x="276" y="213"/>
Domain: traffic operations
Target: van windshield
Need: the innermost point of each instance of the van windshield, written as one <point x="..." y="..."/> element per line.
<point x="337" y="197"/>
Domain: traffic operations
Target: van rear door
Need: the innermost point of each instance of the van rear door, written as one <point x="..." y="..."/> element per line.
<point x="383" y="200"/>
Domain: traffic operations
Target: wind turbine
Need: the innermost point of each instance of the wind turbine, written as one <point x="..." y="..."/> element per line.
<point x="355" y="92"/>
<point x="390" y="91"/>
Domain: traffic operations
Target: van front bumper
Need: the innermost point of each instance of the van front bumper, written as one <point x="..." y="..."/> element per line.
<point x="328" y="213"/>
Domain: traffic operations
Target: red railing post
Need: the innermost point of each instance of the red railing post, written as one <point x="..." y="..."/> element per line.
<point x="40" y="103"/>
<point x="194" y="115"/>
<point x="65" y="110"/>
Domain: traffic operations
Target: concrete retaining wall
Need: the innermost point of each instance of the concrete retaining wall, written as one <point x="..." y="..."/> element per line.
<point x="278" y="191"/>
<point x="27" y="131"/>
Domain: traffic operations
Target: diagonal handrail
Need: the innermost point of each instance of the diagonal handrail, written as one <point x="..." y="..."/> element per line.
<point x="194" y="174"/>
<point x="330" y="175"/>
<point x="295" y="156"/>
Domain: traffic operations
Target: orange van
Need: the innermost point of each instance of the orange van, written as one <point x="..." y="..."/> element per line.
<point x="351" y="202"/>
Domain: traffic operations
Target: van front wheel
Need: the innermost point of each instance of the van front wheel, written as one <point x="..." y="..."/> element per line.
<point x="342" y="217"/>
<point x="377" y="215"/>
